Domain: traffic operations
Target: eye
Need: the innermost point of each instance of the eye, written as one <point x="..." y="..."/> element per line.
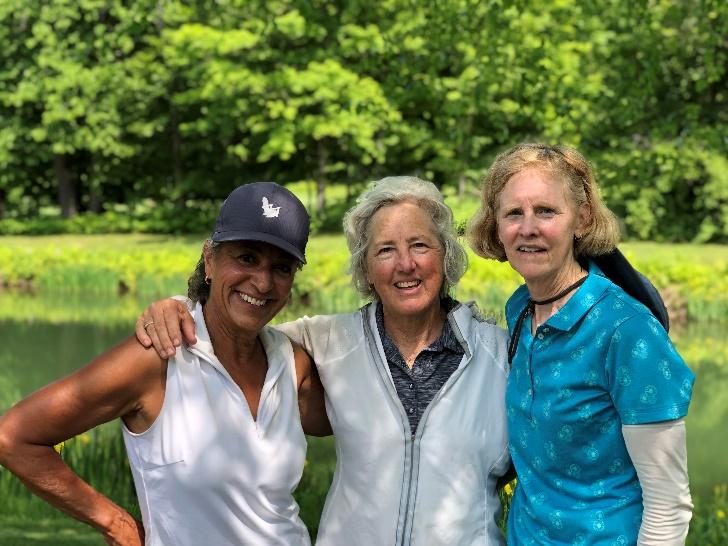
<point x="547" y="212"/>
<point x="285" y="268"/>
<point x="384" y="250"/>
<point x="512" y="213"/>
<point x="246" y="258"/>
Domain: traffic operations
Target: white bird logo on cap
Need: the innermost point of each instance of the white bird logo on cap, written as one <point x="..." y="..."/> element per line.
<point x="269" y="211"/>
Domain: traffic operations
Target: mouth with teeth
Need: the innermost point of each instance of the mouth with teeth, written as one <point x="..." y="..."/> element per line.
<point x="251" y="300"/>
<point x="407" y="284"/>
<point x="530" y="249"/>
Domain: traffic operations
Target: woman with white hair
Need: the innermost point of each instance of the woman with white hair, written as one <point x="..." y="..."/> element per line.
<point x="414" y="381"/>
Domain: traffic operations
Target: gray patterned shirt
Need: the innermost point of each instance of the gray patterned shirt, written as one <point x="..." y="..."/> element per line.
<point x="416" y="387"/>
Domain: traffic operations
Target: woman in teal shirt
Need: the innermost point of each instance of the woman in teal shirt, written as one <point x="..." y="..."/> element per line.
<point x="597" y="393"/>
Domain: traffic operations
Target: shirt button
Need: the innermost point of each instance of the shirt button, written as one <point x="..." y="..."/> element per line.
<point x="411" y="411"/>
<point x="412" y="386"/>
<point x="540" y="336"/>
<point x="546" y="330"/>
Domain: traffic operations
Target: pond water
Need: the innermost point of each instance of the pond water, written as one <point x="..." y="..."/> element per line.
<point x="46" y="338"/>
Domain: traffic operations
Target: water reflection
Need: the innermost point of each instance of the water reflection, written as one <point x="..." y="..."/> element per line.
<point x="44" y="338"/>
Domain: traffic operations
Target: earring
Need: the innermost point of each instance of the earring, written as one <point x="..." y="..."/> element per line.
<point x="208" y="280"/>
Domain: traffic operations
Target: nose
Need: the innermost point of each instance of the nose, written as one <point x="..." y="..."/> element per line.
<point x="528" y="225"/>
<point x="262" y="279"/>
<point x="405" y="262"/>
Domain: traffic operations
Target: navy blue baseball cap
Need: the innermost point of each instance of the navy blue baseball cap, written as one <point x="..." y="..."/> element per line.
<point x="266" y="212"/>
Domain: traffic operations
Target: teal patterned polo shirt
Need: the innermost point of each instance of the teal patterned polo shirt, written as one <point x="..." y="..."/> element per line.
<point x="600" y="362"/>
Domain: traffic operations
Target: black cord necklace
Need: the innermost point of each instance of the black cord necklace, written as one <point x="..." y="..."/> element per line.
<point x="530" y="308"/>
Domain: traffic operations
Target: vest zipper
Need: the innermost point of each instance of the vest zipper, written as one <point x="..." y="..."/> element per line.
<point x="380" y="364"/>
<point x="408" y="516"/>
<point x="412" y="454"/>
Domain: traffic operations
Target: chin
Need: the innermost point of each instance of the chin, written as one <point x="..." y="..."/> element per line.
<point x="531" y="277"/>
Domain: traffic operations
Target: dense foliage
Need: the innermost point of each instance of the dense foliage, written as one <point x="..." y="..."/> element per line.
<point x="104" y="102"/>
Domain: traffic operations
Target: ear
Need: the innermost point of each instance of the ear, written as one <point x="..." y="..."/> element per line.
<point x="207" y="254"/>
<point x="583" y="219"/>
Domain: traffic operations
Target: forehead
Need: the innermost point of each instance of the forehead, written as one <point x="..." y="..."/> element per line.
<point x="403" y="218"/>
<point x="533" y="184"/>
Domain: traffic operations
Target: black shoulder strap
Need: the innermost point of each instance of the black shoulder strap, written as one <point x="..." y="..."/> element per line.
<point x="618" y="269"/>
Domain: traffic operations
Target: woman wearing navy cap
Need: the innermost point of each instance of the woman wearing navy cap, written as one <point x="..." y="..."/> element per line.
<point x="597" y="393"/>
<point x="213" y="434"/>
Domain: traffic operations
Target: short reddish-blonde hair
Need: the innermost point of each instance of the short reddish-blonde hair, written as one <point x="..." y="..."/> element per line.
<point x="560" y="162"/>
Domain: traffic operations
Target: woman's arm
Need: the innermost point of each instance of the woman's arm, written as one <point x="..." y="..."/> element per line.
<point x="310" y="395"/>
<point x="659" y="454"/>
<point x="125" y="381"/>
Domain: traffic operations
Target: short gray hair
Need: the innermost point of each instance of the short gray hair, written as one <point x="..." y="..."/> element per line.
<point x="390" y="191"/>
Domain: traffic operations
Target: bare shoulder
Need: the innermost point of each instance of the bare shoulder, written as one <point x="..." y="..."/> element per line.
<point x="124" y="380"/>
<point x="311" y="401"/>
<point x="127" y="364"/>
<point x="138" y="375"/>
<point x="303" y="362"/>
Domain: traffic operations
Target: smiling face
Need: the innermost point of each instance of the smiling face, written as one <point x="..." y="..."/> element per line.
<point x="537" y="224"/>
<point x="405" y="261"/>
<point x="250" y="282"/>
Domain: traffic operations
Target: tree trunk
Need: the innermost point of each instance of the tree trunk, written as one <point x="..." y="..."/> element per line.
<point x="66" y="186"/>
<point x="464" y="149"/>
<point x="461" y="186"/>
<point x="3" y="197"/>
<point x="95" y="202"/>
<point x="176" y="158"/>
<point x="323" y="156"/>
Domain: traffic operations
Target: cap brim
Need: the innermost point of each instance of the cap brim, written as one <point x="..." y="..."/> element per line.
<point x="285" y="246"/>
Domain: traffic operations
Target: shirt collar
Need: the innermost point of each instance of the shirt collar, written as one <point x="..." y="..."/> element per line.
<point x="446" y="339"/>
<point x="578" y="305"/>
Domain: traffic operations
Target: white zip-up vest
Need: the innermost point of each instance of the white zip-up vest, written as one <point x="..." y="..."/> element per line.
<point x="205" y="472"/>
<point x="391" y="488"/>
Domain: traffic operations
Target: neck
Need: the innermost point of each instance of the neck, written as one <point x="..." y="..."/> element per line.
<point x="233" y="348"/>
<point x="412" y="334"/>
<point x="561" y="283"/>
<point x="545" y="289"/>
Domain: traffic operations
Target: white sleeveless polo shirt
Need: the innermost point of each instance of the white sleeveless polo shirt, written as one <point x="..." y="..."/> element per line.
<point x="205" y="472"/>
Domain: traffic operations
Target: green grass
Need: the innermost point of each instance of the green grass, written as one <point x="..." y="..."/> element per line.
<point x="713" y="255"/>
<point x="55" y="531"/>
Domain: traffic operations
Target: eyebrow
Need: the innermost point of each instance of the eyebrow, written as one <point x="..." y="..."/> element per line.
<point x="391" y="242"/>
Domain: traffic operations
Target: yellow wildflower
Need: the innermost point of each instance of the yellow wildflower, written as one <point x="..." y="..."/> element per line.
<point x="720" y="514"/>
<point x="59" y="447"/>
